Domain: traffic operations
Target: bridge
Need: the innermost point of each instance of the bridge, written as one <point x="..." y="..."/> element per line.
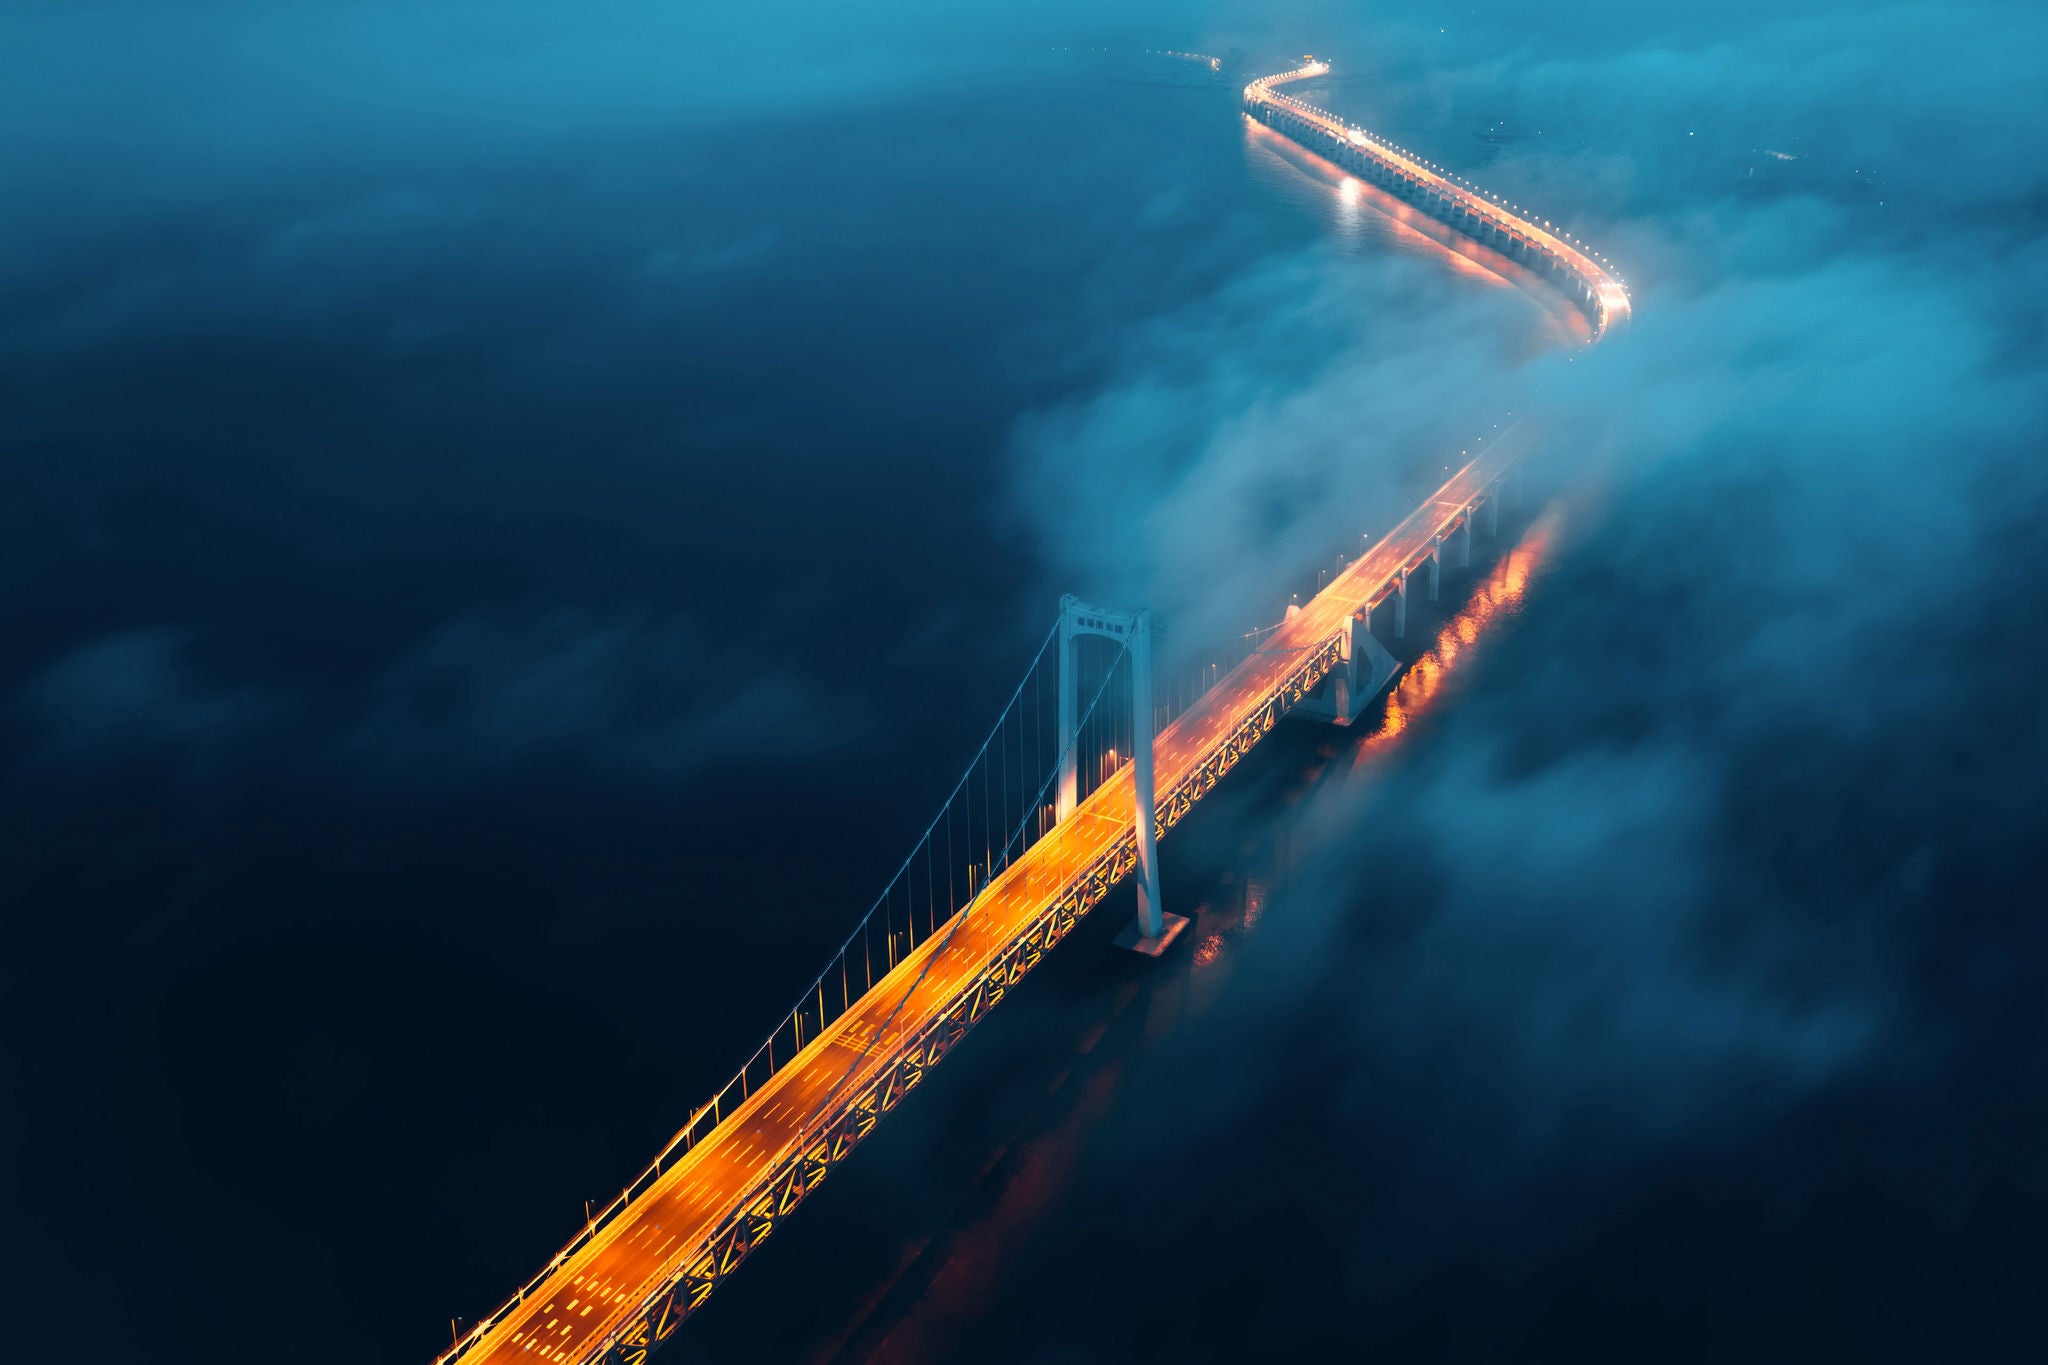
<point x="1561" y="258"/>
<point x="1065" y="800"/>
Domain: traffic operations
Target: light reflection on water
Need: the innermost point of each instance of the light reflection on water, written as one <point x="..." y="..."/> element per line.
<point x="1496" y="597"/>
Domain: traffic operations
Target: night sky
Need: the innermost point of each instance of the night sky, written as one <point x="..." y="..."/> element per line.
<point x="514" y="516"/>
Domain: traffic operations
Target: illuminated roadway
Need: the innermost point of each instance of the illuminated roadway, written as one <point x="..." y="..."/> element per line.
<point x="652" y="1256"/>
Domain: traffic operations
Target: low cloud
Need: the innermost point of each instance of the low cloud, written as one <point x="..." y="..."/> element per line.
<point x="1258" y="433"/>
<point x="137" y="692"/>
<point x="656" y="699"/>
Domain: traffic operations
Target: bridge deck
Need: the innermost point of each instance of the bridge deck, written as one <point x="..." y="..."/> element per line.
<point x="606" y="1286"/>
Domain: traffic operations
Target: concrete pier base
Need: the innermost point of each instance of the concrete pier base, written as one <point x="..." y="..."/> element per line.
<point x="1134" y="937"/>
<point x="1362" y="673"/>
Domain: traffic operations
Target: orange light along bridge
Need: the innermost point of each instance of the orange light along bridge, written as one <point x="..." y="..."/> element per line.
<point x="1066" y="798"/>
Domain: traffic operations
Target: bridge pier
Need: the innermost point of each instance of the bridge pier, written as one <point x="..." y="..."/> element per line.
<point x="1401" y="607"/>
<point x="1493" y="515"/>
<point x="1465" y="539"/>
<point x="1363" y="671"/>
<point x="1436" y="566"/>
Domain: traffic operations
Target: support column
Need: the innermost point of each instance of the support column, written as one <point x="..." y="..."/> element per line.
<point x="1364" y="668"/>
<point x="1465" y="539"/>
<point x="1153" y="930"/>
<point x="1493" y="514"/>
<point x="1067" y="791"/>
<point x="1436" y="566"/>
<point x="1401" y="607"/>
<point x="1343" y="679"/>
<point x="1144" y="799"/>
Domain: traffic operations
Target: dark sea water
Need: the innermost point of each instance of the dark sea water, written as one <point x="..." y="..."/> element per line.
<point x="482" y="626"/>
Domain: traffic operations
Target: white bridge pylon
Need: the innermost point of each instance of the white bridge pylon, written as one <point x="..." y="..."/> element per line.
<point x="1154" y="929"/>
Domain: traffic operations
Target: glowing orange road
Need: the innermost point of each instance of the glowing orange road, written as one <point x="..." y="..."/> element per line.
<point x="1607" y="298"/>
<point x="613" y="1293"/>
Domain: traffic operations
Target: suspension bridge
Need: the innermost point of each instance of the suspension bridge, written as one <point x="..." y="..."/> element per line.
<point x="1092" y="761"/>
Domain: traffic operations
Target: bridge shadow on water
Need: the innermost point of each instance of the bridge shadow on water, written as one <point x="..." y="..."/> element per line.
<point x="931" y="1244"/>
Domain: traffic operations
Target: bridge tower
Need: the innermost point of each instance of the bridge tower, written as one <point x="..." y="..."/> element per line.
<point x="1153" y="929"/>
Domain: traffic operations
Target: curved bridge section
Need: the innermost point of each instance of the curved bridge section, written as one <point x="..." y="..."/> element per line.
<point x="1582" y="274"/>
